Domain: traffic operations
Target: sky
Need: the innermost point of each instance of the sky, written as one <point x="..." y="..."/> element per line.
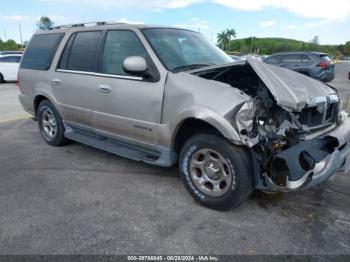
<point x="296" y="19"/>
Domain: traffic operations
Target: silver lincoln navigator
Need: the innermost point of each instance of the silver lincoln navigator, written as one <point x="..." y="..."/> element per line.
<point x="164" y="96"/>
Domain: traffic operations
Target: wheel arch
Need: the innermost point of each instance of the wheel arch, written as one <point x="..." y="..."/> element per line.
<point x="38" y="99"/>
<point x="192" y="126"/>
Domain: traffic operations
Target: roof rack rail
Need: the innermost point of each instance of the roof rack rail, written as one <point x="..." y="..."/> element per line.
<point x="83" y="25"/>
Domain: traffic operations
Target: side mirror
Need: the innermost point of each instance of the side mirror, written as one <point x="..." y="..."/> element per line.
<point x="135" y="65"/>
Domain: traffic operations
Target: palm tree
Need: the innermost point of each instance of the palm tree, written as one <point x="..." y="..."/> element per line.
<point x="230" y="33"/>
<point x="223" y="38"/>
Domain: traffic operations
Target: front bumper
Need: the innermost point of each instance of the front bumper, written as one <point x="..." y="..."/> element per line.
<point x="330" y="153"/>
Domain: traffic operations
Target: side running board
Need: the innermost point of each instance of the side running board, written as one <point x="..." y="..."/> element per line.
<point x="112" y="146"/>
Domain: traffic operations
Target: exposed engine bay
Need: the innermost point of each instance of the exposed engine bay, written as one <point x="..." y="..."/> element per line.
<point x="286" y="141"/>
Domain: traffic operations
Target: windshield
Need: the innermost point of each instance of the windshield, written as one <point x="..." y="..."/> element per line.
<point x="181" y="50"/>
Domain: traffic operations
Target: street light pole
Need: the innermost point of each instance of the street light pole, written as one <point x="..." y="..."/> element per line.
<point x="20" y="34"/>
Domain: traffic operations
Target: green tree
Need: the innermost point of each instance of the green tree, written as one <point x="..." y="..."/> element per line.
<point x="315" y="40"/>
<point x="230" y="33"/>
<point x="8" y="45"/>
<point x="223" y="39"/>
<point x="346" y="48"/>
<point x="45" y="23"/>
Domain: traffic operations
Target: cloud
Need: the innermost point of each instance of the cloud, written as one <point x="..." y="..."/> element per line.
<point x="195" y="24"/>
<point x="290" y="27"/>
<point x="267" y="23"/>
<point x="336" y="10"/>
<point x="308" y="25"/>
<point x="127" y="21"/>
<point x="151" y="5"/>
<point x="15" y="17"/>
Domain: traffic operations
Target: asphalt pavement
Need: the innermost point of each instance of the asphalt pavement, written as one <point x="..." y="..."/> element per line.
<point x="79" y="200"/>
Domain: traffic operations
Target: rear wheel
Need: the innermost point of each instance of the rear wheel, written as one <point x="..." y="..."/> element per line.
<point x="1" y="78"/>
<point x="216" y="173"/>
<point x="50" y="124"/>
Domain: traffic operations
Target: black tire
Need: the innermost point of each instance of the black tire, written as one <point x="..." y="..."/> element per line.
<point x="238" y="162"/>
<point x="58" y="138"/>
<point x="1" y="78"/>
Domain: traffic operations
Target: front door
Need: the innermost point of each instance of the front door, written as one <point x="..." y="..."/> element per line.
<point x="126" y="106"/>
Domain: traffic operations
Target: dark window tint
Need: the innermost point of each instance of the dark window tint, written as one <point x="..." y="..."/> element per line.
<point x="120" y="45"/>
<point x="304" y="59"/>
<point x="82" y="55"/>
<point x="10" y="59"/>
<point x="40" y="51"/>
<point x="65" y="56"/>
<point x="273" y="59"/>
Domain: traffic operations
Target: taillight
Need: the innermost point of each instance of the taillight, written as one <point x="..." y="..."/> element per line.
<point x="323" y="64"/>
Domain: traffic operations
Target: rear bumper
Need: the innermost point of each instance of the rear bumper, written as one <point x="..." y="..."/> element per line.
<point x="328" y="77"/>
<point x="27" y="103"/>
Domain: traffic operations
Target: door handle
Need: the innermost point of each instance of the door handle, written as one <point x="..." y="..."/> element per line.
<point x="104" y="89"/>
<point x="56" y="81"/>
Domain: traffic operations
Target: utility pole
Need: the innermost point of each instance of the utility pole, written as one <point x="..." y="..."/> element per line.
<point x="5" y="35"/>
<point x="20" y="34"/>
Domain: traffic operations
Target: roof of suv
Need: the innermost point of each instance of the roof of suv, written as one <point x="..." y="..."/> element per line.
<point x="101" y="25"/>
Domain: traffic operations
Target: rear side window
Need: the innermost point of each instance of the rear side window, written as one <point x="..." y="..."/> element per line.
<point x="41" y="51"/>
<point x="304" y="59"/>
<point x="80" y="52"/>
<point x="291" y="59"/>
<point x="119" y="45"/>
<point x="325" y="58"/>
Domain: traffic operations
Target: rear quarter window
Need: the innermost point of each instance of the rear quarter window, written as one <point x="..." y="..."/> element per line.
<point x="41" y="51"/>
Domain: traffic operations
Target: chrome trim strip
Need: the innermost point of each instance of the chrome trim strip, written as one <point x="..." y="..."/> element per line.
<point x="100" y="74"/>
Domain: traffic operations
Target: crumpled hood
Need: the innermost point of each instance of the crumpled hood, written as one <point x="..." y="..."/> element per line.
<point x="290" y="89"/>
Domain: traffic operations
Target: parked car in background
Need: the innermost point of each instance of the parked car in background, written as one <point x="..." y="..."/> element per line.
<point x="11" y="53"/>
<point x="313" y="64"/>
<point x="169" y="96"/>
<point x="236" y="58"/>
<point x="9" y="65"/>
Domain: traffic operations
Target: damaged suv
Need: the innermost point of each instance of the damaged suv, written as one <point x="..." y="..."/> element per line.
<point x="165" y="96"/>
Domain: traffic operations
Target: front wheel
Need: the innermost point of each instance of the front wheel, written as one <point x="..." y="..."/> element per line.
<point x="217" y="174"/>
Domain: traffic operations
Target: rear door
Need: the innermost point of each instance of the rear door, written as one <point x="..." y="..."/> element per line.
<point x="74" y="83"/>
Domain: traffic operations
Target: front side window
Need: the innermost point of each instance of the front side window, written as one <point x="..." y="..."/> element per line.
<point x="275" y="59"/>
<point x="119" y="45"/>
<point x="181" y="50"/>
<point x="82" y="52"/>
<point x="41" y="51"/>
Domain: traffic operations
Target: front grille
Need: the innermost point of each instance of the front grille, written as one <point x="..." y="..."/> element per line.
<point x="320" y="113"/>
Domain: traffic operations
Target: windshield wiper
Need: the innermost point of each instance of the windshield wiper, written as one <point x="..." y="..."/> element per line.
<point x="191" y="66"/>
